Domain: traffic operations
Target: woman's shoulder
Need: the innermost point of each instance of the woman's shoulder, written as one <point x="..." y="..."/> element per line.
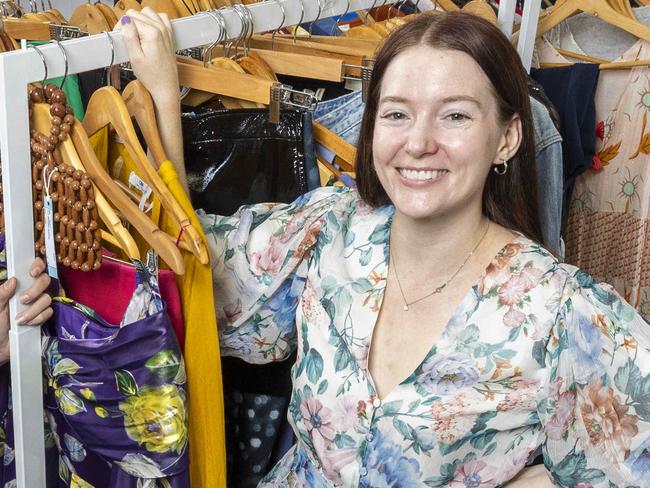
<point x="574" y="288"/>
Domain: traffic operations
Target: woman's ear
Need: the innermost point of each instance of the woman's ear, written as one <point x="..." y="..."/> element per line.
<point x="510" y="140"/>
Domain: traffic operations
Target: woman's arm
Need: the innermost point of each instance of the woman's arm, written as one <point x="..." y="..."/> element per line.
<point x="150" y="43"/>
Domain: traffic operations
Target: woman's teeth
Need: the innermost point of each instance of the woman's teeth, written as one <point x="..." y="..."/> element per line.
<point x="423" y="175"/>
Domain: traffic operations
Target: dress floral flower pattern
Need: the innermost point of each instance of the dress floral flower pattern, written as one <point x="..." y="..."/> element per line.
<point x="535" y="356"/>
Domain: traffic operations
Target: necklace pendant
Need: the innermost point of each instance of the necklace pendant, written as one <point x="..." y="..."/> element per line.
<point x="406" y="308"/>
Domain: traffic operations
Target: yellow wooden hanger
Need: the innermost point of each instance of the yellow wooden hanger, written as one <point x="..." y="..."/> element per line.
<point x="623" y="7"/>
<point x="140" y="105"/>
<point x="106" y="108"/>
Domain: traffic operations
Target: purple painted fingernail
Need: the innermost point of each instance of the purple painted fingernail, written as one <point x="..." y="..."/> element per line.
<point x="126" y="20"/>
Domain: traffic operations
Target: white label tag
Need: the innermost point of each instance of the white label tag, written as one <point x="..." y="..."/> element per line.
<point x="50" y="249"/>
<point x="145" y="190"/>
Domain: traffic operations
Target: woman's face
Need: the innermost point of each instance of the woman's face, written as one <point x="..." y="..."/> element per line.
<point x="437" y="132"/>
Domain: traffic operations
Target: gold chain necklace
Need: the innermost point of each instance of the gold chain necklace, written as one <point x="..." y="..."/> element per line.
<point x="441" y="287"/>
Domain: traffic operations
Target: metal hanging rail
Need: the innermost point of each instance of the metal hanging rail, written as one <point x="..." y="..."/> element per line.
<point x="17" y="69"/>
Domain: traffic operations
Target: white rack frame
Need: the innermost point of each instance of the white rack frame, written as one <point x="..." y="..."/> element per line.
<point x="17" y="70"/>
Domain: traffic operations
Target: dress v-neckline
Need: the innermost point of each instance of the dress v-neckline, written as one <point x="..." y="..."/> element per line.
<point x="434" y="349"/>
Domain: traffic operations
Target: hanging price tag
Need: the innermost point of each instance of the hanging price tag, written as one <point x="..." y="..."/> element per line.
<point x="50" y="249"/>
<point x="145" y="190"/>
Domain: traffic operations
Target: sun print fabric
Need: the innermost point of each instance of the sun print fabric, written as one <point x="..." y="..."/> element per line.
<point x="536" y="354"/>
<point x="608" y="232"/>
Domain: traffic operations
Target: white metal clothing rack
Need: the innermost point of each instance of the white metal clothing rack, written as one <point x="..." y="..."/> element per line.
<point x="19" y="68"/>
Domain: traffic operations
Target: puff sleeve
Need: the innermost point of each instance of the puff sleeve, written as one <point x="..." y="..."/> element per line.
<point x="260" y="257"/>
<point x="596" y="414"/>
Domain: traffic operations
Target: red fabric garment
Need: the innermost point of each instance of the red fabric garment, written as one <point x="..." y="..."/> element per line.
<point x="108" y="291"/>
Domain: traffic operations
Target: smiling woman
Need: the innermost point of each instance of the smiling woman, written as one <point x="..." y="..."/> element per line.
<point x="458" y="77"/>
<point x="438" y="343"/>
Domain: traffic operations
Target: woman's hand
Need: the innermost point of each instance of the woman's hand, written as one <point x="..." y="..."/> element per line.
<point x="39" y="302"/>
<point x="150" y="43"/>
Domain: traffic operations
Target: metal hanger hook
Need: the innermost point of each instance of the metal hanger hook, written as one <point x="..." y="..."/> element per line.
<point x="221" y="20"/>
<point x="365" y="19"/>
<point x="320" y="11"/>
<point x="110" y="65"/>
<point x="40" y="53"/>
<point x="244" y="26"/>
<point x="338" y="21"/>
<point x="284" y="17"/>
<point x="302" y="16"/>
<point x="251" y="27"/>
<point x="65" y="59"/>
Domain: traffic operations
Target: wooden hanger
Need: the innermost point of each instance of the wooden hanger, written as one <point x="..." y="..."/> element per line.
<point x="306" y="46"/>
<point x="222" y="81"/>
<point x="367" y="45"/>
<point x="184" y="7"/>
<point x="350" y="56"/>
<point x="481" y="9"/>
<point x="623" y="7"/>
<point x="122" y="6"/>
<point x="106" y="108"/>
<point x="108" y="13"/>
<point x="162" y="6"/>
<point x="345" y="151"/>
<point x="89" y="19"/>
<point x="597" y="8"/>
<point x="140" y="105"/>
<point x="24" y="28"/>
<point x="115" y="233"/>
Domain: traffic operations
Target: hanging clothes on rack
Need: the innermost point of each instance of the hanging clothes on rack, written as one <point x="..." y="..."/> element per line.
<point x="572" y="90"/>
<point x="116" y="281"/>
<point x="607" y="233"/>
<point x="202" y="357"/>
<point x="116" y="398"/>
<point x="238" y="156"/>
<point x="234" y="157"/>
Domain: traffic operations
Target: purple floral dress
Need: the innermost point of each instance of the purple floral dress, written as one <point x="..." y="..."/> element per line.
<point x="536" y="357"/>
<point x="116" y="399"/>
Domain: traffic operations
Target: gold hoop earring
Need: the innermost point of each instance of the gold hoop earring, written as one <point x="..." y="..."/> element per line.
<point x="503" y="171"/>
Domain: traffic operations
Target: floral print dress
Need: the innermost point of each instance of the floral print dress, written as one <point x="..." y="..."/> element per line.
<point x="536" y="356"/>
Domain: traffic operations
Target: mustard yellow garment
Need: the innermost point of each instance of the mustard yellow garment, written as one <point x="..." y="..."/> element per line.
<point x="202" y="358"/>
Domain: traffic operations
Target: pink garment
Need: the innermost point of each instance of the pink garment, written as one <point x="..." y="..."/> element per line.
<point x="108" y="290"/>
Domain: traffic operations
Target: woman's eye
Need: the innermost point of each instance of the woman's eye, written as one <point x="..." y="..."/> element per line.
<point x="394" y="116"/>
<point x="457" y="117"/>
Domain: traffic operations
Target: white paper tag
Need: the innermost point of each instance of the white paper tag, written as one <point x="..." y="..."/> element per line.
<point x="145" y="190"/>
<point x="50" y="249"/>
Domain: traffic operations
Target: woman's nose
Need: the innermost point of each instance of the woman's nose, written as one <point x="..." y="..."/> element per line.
<point x="421" y="139"/>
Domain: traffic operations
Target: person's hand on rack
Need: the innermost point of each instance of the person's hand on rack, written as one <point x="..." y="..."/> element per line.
<point x="35" y="296"/>
<point x="150" y="43"/>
